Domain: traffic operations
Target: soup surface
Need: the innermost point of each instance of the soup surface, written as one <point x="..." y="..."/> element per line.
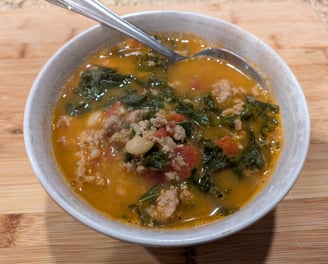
<point x="156" y="144"/>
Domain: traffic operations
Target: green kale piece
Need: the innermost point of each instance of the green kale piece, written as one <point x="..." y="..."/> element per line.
<point x="270" y="125"/>
<point x="225" y="211"/>
<point x="164" y="91"/>
<point x="199" y="117"/>
<point x="211" y="105"/>
<point x="151" y="195"/>
<point x="97" y="80"/>
<point x="147" y="101"/>
<point x="228" y="121"/>
<point x="151" y="61"/>
<point x="77" y="107"/>
<point x="206" y="184"/>
<point x="155" y="159"/>
<point x="155" y="82"/>
<point x="95" y="83"/>
<point x="262" y="112"/>
<point x="171" y="43"/>
<point x="148" y="114"/>
<point x="213" y="157"/>
<point x="213" y="160"/>
<point x="187" y="127"/>
<point x="144" y="216"/>
<point x="254" y="108"/>
<point x="128" y="157"/>
<point x="134" y="100"/>
<point x="144" y="201"/>
<point x="150" y="100"/>
<point x="252" y="157"/>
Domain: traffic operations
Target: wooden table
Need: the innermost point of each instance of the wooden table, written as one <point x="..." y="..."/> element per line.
<point x="33" y="229"/>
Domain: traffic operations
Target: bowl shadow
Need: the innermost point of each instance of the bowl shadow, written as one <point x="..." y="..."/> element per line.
<point x="71" y="242"/>
<point x="251" y="245"/>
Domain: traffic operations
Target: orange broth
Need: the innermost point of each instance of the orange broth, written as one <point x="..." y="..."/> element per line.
<point x="96" y="167"/>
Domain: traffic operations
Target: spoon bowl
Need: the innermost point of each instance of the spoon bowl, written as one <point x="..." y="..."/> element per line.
<point x="97" y="11"/>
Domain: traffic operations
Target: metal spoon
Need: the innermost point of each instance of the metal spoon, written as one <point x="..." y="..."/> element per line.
<point x="97" y="11"/>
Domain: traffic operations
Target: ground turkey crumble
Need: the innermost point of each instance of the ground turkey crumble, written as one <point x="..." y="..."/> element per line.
<point x="165" y="206"/>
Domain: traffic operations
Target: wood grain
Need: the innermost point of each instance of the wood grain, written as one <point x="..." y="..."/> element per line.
<point x="33" y="229"/>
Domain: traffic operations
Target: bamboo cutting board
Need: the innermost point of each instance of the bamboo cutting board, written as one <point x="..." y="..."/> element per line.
<point x="33" y="229"/>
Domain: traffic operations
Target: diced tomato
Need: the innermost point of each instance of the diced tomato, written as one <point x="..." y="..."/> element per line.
<point x="112" y="109"/>
<point x="175" y="117"/>
<point x="228" y="145"/>
<point x="161" y="133"/>
<point x="191" y="156"/>
<point x="168" y="130"/>
<point x="194" y="84"/>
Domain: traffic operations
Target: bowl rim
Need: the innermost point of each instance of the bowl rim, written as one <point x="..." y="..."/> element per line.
<point x="158" y="237"/>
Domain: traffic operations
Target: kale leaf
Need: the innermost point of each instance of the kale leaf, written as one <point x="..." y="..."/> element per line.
<point x="213" y="157"/>
<point x="77" y="107"/>
<point x="270" y="125"/>
<point x="151" y="195"/>
<point x="148" y="101"/>
<point x="213" y="160"/>
<point x="187" y="126"/>
<point x="151" y="62"/>
<point x="134" y="100"/>
<point x="254" y="108"/>
<point x="225" y="211"/>
<point x="252" y="157"/>
<point x="157" y="93"/>
<point x="95" y="82"/>
<point x="206" y="184"/>
<point x="211" y="105"/>
<point x="155" y="159"/>
<point x="200" y="117"/>
<point x="145" y="200"/>
<point x="164" y="91"/>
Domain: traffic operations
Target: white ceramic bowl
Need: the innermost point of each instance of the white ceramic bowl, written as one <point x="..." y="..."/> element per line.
<point x="46" y="89"/>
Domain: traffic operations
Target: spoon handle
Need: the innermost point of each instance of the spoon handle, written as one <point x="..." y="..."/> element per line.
<point x="97" y="11"/>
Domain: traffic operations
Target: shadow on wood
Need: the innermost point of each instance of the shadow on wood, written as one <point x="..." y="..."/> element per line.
<point x="251" y="245"/>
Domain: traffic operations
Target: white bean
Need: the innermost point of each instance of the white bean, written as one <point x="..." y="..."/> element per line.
<point x="138" y="145"/>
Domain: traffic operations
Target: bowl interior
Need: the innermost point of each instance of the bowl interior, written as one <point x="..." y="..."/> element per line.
<point x="46" y="89"/>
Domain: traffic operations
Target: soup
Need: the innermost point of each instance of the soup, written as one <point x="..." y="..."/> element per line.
<point x="165" y="145"/>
